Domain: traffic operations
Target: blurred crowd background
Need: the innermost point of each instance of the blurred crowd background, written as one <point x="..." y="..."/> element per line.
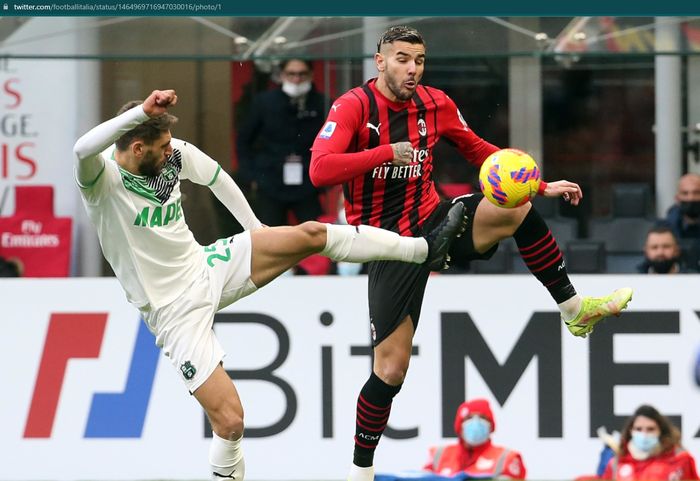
<point x="612" y="103"/>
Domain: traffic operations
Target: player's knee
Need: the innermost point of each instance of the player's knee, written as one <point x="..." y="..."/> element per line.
<point x="228" y="423"/>
<point x="315" y="232"/>
<point x="233" y="427"/>
<point x="393" y="373"/>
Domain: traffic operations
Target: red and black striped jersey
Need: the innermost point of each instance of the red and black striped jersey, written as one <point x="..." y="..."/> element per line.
<point x="353" y="148"/>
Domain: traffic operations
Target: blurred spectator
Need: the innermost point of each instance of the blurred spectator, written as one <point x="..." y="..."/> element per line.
<point x="684" y="216"/>
<point x="273" y="146"/>
<point x="650" y="450"/>
<point x="662" y="254"/>
<point x="11" y="267"/>
<point x="474" y="454"/>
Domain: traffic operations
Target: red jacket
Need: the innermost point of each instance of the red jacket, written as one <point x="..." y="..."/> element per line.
<point x="675" y="465"/>
<point x="483" y="461"/>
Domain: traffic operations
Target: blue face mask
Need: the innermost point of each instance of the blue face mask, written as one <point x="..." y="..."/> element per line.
<point x="348" y="268"/>
<point x="644" y="442"/>
<point x="476" y="431"/>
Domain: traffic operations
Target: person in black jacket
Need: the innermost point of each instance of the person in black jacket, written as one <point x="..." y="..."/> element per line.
<point x="273" y="146"/>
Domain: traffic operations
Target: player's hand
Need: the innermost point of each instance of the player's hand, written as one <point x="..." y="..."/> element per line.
<point x="158" y="102"/>
<point x="570" y="191"/>
<point x="403" y="153"/>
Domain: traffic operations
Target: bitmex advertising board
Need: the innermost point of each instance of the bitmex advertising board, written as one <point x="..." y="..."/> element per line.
<point x="88" y="395"/>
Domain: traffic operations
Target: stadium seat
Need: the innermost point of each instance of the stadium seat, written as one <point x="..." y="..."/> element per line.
<point x="621" y="235"/>
<point x="617" y="263"/>
<point x="631" y="200"/>
<point x="452" y="190"/>
<point x="585" y="257"/>
<point x="624" y="239"/>
<point x="564" y="230"/>
<point x="625" y="231"/>
<point x="546" y="206"/>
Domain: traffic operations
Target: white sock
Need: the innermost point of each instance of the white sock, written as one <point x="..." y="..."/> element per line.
<point x="364" y="243"/>
<point x="226" y="458"/>
<point x="570" y="308"/>
<point x="361" y="474"/>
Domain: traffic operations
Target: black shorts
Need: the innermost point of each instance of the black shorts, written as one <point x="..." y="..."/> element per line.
<point x="396" y="289"/>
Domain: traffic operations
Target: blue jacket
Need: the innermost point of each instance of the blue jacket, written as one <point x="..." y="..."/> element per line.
<point x="674" y="218"/>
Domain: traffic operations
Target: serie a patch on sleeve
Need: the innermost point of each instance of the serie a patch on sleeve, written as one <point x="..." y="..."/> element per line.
<point x="327" y="130"/>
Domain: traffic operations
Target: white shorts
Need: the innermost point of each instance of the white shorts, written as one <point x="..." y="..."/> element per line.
<point x="183" y="328"/>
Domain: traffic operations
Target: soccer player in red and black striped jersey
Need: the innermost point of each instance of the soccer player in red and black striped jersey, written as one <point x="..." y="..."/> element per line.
<point x="378" y="142"/>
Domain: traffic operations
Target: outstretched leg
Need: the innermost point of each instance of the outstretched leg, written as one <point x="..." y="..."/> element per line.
<point x="544" y="259"/>
<point x="276" y="249"/>
<point x="219" y="398"/>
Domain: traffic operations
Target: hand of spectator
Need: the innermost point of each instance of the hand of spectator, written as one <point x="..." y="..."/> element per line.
<point x="158" y="102"/>
<point x="570" y="191"/>
<point x="403" y="153"/>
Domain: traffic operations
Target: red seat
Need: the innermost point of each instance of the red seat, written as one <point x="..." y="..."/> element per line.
<point x="33" y="235"/>
<point x="453" y="190"/>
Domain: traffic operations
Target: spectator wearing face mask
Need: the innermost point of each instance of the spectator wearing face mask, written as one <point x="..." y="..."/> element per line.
<point x="662" y="254"/>
<point x="474" y="453"/>
<point x="684" y="216"/>
<point x="650" y="450"/>
<point x="273" y="146"/>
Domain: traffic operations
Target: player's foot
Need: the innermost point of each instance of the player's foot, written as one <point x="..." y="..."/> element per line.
<point x="361" y="474"/>
<point x="440" y="239"/>
<point x="595" y="309"/>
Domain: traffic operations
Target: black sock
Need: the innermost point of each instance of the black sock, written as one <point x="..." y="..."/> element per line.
<point x="373" y="408"/>
<point x="541" y="254"/>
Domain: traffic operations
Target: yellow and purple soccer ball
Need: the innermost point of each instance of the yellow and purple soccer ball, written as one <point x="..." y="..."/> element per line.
<point x="509" y="178"/>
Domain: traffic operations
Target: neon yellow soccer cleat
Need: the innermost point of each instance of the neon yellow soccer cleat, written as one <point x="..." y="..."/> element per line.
<point x="595" y="309"/>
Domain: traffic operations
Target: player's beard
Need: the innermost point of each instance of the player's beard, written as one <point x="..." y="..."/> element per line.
<point x="151" y="166"/>
<point x="396" y="88"/>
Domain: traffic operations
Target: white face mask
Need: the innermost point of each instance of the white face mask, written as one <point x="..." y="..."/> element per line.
<point x="295" y="90"/>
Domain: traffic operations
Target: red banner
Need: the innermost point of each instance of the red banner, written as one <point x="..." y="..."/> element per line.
<point x="33" y="235"/>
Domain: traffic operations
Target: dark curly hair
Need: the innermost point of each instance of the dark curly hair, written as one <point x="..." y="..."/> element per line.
<point x="148" y="132"/>
<point x="400" y="33"/>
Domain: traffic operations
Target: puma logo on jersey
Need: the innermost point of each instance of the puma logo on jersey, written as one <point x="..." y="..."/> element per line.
<point x="376" y="129"/>
<point x="335" y="107"/>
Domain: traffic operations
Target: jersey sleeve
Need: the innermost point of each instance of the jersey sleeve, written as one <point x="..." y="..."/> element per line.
<point x="91" y="170"/>
<point x="196" y="165"/>
<point x="472" y="147"/>
<point x="331" y="163"/>
<point x="93" y="192"/>
<point x="201" y="169"/>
